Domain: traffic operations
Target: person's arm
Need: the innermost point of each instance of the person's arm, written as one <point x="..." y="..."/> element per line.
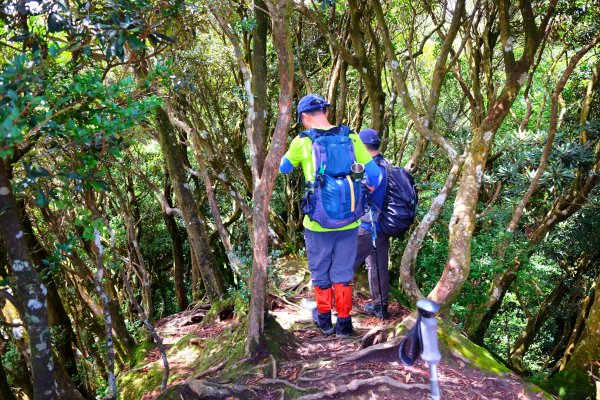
<point x="286" y="166"/>
<point x="374" y="176"/>
<point x="293" y="157"/>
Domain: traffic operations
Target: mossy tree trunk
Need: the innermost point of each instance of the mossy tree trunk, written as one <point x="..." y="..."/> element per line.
<point x="264" y="180"/>
<point x="549" y="305"/>
<point x="462" y="222"/>
<point x="574" y="380"/>
<point x="212" y="276"/>
<point x="30" y="293"/>
<point x="58" y="317"/>
<point x="177" y="249"/>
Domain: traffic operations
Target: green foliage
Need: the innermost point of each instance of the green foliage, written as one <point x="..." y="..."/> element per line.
<point x="76" y="127"/>
<point x="11" y="358"/>
<point x="245" y="25"/>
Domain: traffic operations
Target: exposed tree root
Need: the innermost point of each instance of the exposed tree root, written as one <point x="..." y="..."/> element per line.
<point x="355" y="384"/>
<point x="287" y="383"/>
<point x="274" y="363"/>
<point x="201" y="389"/>
<point x="211" y="370"/>
<point x="286" y="301"/>
<point x="324" y="339"/>
<point x="373" y="349"/>
<point x="375" y="336"/>
<point x="320" y="378"/>
<point x="386" y="333"/>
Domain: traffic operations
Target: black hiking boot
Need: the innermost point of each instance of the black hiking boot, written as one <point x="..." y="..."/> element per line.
<point x="323" y="322"/>
<point x="343" y="327"/>
<point x="377" y="310"/>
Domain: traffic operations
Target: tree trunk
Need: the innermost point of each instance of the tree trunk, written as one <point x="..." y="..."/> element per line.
<point x="255" y="347"/>
<point x="264" y="183"/>
<point x="409" y="257"/>
<point x="177" y="249"/>
<point x="195" y="226"/>
<point x="462" y="222"/>
<point x="131" y="215"/>
<point x="124" y="345"/>
<point x="162" y="287"/>
<point x="342" y="95"/>
<point x="259" y="80"/>
<point x="535" y="323"/>
<point x="574" y="379"/>
<point x="146" y="321"/>
<point x="65" y="387"/>
<point x="122" y="335"/>
<point x="332" y="90"/>
<point x="57" y="315"/>
<point x="481" y="317"/>
<point x="579" y="325"/>
<point x="19" y="370"/>
<point x="142" y="271"/>
<point x="371" y="76"/>
<point x="30" y="291"/>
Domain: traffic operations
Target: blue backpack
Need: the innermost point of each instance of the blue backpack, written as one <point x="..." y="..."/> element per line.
<point x="333" y="199"/>
<point x="399" y="202"/>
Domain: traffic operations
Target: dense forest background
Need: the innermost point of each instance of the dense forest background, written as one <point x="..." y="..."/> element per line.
<point x="139" y="150"/>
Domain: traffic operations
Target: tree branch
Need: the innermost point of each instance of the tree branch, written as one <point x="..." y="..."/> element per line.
<point x="554" y="120"/>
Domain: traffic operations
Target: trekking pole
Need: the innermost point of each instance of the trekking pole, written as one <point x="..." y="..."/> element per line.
<point x="431" y="353"/>
<point x="374" y="239"/>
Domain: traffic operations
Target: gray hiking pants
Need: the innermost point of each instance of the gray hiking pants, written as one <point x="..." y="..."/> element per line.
<point x="330" y="256"/>
<point x="366" y="254"/>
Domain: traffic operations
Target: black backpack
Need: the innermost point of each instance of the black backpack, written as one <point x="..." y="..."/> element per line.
<point x="399" y="202"/>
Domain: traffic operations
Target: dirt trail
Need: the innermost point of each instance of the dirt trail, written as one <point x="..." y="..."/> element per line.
<point x="318" y="367"/>
<point x="322" y="366"/>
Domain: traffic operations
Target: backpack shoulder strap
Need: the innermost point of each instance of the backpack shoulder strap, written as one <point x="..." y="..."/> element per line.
<point x="344" y="130"/>
<point x="383" y="162"/>
<point x="310" y="133"/>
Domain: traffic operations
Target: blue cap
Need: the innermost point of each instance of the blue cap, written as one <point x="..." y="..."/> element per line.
<point x="369" y="136"/>
<point x="311" y="102"/>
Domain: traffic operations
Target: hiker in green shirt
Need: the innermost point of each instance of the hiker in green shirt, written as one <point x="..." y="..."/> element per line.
<point x="333" y="205"/>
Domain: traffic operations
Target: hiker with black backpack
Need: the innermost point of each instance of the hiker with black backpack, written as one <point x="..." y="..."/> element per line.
<point x="334" y="162"/>
<point x="392" y="209"/>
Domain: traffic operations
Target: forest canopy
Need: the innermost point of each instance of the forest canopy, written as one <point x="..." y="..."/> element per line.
<point x="140" y="144"/>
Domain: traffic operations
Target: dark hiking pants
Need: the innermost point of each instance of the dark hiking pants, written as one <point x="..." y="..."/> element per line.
<point x="366" y="254"/>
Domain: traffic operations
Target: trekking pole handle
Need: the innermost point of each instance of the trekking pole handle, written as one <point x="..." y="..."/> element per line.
<point x="428" y="310"/>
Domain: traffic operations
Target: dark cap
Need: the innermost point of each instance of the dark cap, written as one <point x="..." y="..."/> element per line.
<point x="369" y="136"/>
<point x="311" y="102"/>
